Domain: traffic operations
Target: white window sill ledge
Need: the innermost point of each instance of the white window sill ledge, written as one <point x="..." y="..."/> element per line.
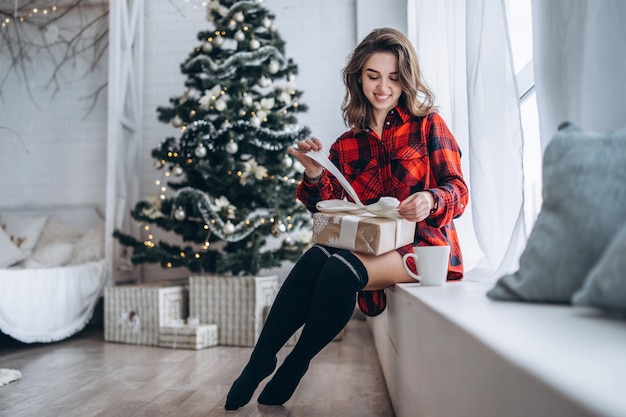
<point x="450" y="351"/>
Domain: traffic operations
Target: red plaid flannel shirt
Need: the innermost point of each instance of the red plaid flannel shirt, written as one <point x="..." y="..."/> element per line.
<point x="414" y="154"/>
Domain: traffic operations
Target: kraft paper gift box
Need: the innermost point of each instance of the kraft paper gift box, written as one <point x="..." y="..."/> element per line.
<point x="188" y="336"/>
<point x="373" y="229"/>
<point x="364" y="233"/>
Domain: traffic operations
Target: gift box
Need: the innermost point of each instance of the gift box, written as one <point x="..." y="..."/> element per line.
<point x="134" y="313"/>
<point x="364" y="233"/>
<point x="188" y="336"/>
<point x="234" y="303"/>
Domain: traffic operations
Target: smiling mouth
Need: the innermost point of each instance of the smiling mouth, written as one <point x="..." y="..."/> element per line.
<point x="382" y="97"/>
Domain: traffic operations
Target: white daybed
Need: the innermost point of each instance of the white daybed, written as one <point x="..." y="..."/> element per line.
<point x="51" y="291"/>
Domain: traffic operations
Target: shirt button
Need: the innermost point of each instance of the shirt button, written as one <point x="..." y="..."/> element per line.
<point x="388" y="123"/>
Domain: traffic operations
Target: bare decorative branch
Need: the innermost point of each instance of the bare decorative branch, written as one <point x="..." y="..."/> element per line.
<point x="72" y="34"/>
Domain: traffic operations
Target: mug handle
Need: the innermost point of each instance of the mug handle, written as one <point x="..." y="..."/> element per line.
<point x="404" y="258"/>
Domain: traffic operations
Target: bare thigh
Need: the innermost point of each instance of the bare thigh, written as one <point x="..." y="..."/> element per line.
<point x="384" y="270"/>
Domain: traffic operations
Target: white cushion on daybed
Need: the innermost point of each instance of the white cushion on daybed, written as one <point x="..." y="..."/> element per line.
<point x="9" y="253"/>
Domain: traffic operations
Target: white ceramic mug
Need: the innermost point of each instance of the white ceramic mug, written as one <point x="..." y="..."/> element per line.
<point x="432" y="264"/>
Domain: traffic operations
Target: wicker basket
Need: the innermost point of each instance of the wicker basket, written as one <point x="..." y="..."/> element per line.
<point x="134" y="313"/>
<point x="234" y="304"/>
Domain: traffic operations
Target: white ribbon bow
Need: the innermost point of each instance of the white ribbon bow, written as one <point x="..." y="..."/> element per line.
<point x="385" y="207"/>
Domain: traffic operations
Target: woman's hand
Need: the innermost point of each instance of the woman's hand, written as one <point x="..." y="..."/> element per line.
<point x="312" y="168"/>
<point x="417" y="207"/>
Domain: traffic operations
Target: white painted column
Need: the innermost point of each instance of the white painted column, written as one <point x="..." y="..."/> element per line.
<point x="124" y="126"/>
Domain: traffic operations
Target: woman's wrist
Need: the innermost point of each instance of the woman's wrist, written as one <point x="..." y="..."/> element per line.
<point x="315" y="178"/>
<point x="435" y="206"/>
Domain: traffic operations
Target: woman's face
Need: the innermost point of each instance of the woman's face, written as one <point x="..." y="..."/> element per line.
<point x="380" y="81"/>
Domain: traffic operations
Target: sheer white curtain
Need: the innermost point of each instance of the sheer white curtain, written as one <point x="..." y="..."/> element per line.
<point x="465" y="55"/>
<point x="580" y="64"/>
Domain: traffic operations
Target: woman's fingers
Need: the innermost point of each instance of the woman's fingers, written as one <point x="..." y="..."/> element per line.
<point x="300" y="152"/>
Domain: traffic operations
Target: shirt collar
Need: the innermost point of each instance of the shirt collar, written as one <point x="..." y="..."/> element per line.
<point x="403" y="113"/>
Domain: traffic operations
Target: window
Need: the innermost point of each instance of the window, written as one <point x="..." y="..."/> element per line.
<point x="519" y="17"/>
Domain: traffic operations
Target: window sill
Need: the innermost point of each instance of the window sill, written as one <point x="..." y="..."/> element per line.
<point x="450" y="350"/>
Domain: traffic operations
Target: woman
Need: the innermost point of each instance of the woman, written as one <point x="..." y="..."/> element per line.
<point x="397" y="146"/>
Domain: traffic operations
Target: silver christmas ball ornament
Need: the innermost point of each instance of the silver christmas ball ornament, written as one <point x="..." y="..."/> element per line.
<point x="179" y="214"/>
<point x="264" y="82"/>
<point x="207" y="47"/>
<point x="273" y="67"/>
<point x="200" y="151"/>
<point x="239" y="36"/>
<point x="177" y="121"/>
<point x="218" y="41"/>
<point x="255" y="122"/>
<point x="278" y="229"/>
<point x="228" y="228"/>
<point x="247" y="100"/>
<point x="232" y="147"/>
<point x="177" y="170"/>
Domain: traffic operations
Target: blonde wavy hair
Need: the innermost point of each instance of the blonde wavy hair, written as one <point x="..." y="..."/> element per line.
<point x="416" y="96"/>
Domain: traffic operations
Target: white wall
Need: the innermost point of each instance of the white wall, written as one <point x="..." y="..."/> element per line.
<point x="62" y="161"/>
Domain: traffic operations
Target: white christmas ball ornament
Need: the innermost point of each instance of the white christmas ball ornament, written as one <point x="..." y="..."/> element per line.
<point x="239" y="36"/>
<point x="200" y="151"/>
<point x="264" y="82"/>
<point x="232" y="148"/>
<point x="177" y="170"/>
<point x="228" y="228"/>
<point x="239" y="17"/>
<point x="207" y="47"/>
<point x="287" y="161"/>
<point x="180" y="214"/>
<point x="218" y="41"/>
<point x="255" y="122"/>
<point x="267" y="22"/>
<point x="247" y="100"/>
<point x="273" y="67"/>
<point x="254" y="44"/>
<point x="278" y="229"/>
<point x="177" y="121"/>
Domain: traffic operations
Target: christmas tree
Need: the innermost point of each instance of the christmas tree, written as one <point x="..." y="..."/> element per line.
<point x="228" y="182"/>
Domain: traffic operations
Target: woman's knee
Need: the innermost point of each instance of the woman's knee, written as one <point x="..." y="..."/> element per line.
<point x="344" y="269"/>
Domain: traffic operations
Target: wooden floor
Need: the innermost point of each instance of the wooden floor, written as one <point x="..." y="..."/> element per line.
<point x="86" y="376"/>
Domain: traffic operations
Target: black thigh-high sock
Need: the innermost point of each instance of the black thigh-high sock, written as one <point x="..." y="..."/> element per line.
<point x="341" y="278"/>
<point x="288" y="313"/>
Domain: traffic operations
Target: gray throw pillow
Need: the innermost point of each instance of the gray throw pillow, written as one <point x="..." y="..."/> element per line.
<point x="584" y="202"/>
<point x="605" y="286"/>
